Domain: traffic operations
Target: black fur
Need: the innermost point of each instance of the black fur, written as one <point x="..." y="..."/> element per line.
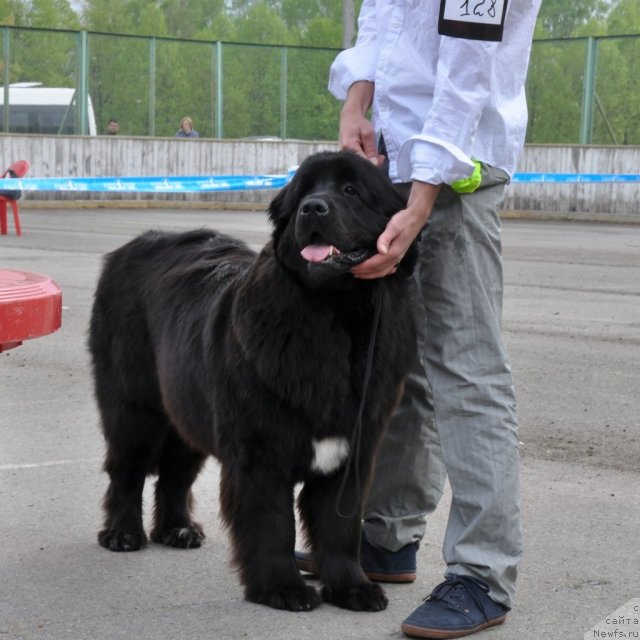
<point x="201" y="347"/>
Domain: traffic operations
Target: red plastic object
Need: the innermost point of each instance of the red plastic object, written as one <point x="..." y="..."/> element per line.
<point x="30" y="307"/>
<point x="9" y="202"/>
<point x="18" y="169"/>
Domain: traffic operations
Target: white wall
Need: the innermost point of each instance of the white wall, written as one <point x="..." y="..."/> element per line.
<point x="609" y="198"/>
<point x="58" y="156"/>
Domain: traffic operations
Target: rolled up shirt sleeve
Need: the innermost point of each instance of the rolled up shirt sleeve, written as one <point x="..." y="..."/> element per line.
<point x="439" y="153"/>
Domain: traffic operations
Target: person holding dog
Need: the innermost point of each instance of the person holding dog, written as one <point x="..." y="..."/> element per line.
<point x="445" y="81"/>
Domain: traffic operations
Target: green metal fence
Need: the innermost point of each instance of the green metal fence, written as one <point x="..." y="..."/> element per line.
<point x="579" y="90"/>
<point x="584" y="90"/>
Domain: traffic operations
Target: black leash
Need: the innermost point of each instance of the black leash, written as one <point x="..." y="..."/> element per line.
<point x="354" y="452"/>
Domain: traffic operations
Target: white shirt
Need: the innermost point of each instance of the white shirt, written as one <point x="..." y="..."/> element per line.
<point x="440" y="101"/>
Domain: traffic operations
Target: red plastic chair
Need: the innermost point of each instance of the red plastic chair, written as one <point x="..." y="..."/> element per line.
<point x="17" y="170"/>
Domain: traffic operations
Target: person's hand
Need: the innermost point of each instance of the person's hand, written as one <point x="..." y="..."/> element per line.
<point x="357" y="134"/>
<point x="356" y="131"/>
<point x="401" y="231"/>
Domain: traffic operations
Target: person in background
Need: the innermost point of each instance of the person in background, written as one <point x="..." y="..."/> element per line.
<point x="445" y="82"/>
<point x="113" y="126"/>
<point x="186" y="129"/>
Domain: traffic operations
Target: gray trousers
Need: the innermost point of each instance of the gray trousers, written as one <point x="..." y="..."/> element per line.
<point x="458" y="412"/>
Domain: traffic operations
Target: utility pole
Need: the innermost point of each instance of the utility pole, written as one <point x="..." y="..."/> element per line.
<point x="348" y="23"/>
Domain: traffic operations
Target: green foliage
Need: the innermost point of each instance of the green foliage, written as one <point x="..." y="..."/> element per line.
<point x="261" y="25"/>
<point x="617" y="84"/>
<point x="298" y="14"/>
<point x="109" y="16"/>
<point x="186" y="18"/>
<point x="624" y="18"/>
<point x="184" y="87"/>
<point x="221" y="28"/>
<point x="322" y="32"/>
<point x="153" y="22"/>
<point x="149" y="83"/>
<point x="613" y="90"/>
<point x="562" y="19"/>
<point x="9" y="11"/>
<point x="554" y="89"/>
<point x="43" y="56"/>
<point x="312" y="110"/>
<point x="52" y="14"/>
<point x="119" y="82"/>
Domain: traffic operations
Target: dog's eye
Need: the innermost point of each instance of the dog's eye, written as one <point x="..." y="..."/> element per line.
<point x="350" y="190"/>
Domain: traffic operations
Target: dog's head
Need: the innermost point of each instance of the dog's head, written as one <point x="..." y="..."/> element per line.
<point x="329" y="217"/>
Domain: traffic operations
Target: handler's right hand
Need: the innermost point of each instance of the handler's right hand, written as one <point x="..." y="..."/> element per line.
<point x="356" y="131"/>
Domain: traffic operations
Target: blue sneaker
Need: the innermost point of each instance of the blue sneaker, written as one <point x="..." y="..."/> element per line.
<point x="379" y="565"/>
<point x="458" y="607"/>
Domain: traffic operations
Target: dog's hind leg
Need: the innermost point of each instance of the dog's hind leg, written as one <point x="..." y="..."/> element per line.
<point x="335" y="541"/>
<point x="178" y="468"/>
<point x="257" y="505"/>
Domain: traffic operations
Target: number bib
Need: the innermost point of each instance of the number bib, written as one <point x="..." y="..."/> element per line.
<point x="472" y="19"/>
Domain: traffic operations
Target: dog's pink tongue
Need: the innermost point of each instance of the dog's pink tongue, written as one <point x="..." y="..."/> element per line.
<point x="316" y="252"/>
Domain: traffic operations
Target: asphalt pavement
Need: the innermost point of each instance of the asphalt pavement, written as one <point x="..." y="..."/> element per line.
<point x="572" y="325"/>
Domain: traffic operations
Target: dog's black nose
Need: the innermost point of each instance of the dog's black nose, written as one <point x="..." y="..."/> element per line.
<point x="315" y="206"/>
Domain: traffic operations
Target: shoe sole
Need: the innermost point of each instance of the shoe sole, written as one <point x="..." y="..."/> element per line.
<point x="440" y="634"/>
<point x="308" y="566"/>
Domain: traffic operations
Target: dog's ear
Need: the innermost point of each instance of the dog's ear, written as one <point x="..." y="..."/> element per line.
<point x="277" y="208"/>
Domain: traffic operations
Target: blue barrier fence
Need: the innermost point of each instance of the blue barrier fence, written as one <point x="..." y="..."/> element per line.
<point x="590" y="178"/>
<point x="193" y="184"/>
<point x="157" y="184"/>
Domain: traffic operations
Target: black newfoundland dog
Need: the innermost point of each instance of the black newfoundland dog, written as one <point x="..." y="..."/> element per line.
<point x="281" y="364"/>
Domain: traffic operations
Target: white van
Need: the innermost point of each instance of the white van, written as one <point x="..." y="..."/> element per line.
<point x="37" y="109"/>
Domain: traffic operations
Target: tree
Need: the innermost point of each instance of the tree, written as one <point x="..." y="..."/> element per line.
<point x="554" y="91"/>
<point x="617" y="81"/>
<point x="153" y="22"/>
<point x="624" y="18"/>
<point x="10" y="12"/>
<point x="119" y="81"/>
<point x="254" y="94"/>
<point x="322" y="32"/>
<point x="52" y="14"/>
<point x="312" y="112"/>
<point x="297" y="14"/>
<point x="221" y="28"/>
<point x="561" y="19"/>
<point x="47" y="56"/>
<point x="108" y="16"/>
<point x="184" y="86"/>
<point x="612" y="92"/>
<point x="261" y="25"/>
<point x="186" y="18"/>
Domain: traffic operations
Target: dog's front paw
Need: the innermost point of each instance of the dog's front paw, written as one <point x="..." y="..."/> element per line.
<point x="122" y="540"/>
<point x="359" y="597"/>
<point x="190" y="537"/>
<point x="290" y="598"/>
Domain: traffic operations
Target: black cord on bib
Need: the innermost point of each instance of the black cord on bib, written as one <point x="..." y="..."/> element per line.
<point x="354" y="453"/>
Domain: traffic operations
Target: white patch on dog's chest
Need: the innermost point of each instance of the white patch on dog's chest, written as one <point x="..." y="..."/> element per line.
<point x="329" y="454"/>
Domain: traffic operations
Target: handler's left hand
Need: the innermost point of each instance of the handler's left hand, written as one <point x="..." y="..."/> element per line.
<point x="400" y="232"/>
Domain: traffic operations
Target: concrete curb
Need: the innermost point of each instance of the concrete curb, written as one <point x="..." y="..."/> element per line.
<point x="577" y="216"/>
<point x="213" y="205"/>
